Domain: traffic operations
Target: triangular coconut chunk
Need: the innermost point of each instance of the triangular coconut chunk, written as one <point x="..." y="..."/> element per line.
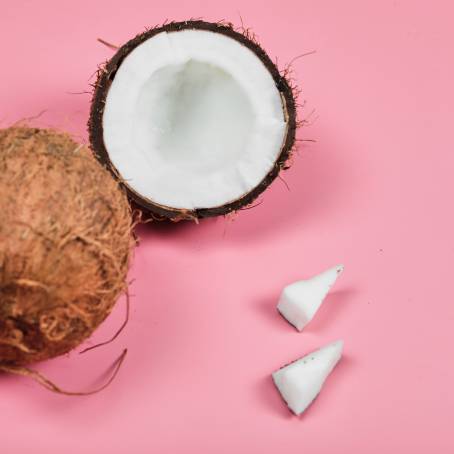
<point x="300" y="301"/>
<point x="300" y="382"/>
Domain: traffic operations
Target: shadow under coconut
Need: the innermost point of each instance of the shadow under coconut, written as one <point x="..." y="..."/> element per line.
<point x="184" y="233"/>
<point x="169" y="229"/>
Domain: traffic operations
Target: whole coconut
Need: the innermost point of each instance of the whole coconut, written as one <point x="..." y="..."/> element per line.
<point x="65" y="244"/>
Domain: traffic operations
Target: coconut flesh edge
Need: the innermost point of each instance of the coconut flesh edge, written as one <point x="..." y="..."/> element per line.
<point x="193" y="119"/>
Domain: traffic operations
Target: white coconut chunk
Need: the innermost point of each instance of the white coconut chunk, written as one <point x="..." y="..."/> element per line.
<point x="301" y="300"/>
<point x="193" y="119"/>
<point x="300" y="382"/>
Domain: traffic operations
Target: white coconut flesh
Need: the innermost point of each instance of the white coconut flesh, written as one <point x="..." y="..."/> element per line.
<point x="300" y="301"/>
<point x="193" y="119"/>
<point x="300" y="382"/>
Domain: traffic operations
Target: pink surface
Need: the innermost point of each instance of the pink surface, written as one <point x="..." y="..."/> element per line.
<point x="375" y="192"/>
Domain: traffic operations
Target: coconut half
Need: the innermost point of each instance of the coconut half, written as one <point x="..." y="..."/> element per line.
<point x="194" y="118"/>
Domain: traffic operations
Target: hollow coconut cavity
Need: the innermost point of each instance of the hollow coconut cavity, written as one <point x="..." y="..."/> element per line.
<point x="65" y="244"/>
<point x="194" y="119"/>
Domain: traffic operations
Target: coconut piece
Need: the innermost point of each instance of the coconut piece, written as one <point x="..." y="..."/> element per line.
<point x="301" y="300"/>
<point x="300" y="382"/>
<point x="65" y="244"/>
<point x="194" y="119"/>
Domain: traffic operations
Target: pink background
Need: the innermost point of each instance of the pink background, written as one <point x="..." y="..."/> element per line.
<point x="375" y="192"/>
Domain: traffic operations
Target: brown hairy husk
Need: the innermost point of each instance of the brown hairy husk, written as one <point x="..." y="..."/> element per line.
<point x="65" y="244"/>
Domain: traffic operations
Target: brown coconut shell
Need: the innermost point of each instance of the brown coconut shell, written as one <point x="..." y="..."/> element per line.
<point x="65" y="244"/>
<point x="101" y="88"/>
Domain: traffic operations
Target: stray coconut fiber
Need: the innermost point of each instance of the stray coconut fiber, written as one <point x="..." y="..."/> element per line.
<point x="65" y="245"/>
<point x="193" y="118"/>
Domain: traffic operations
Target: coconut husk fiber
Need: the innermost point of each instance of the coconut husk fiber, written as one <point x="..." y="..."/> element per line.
<point x="65" y="244"/>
